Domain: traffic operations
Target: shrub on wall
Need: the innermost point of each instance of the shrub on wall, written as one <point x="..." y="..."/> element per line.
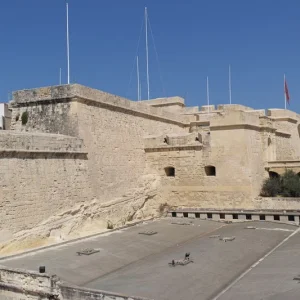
<point x="24" y="118"/>
<point x="271" y="187"/>
<point x="286" y="186"/>
<point x="290" y="183"/>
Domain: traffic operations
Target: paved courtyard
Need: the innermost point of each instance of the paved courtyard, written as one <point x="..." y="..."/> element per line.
<point x="135" y="264"/>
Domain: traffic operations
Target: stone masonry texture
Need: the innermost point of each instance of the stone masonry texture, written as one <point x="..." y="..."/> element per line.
<point x="97" y="157"/>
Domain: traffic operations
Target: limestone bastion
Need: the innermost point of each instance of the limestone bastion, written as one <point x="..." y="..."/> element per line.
<point x="77" y="161"/>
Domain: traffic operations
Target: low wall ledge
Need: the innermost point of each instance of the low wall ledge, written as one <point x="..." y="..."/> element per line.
<point x="41" y="153"/>
<point x="67" y="289"/>
<point x="199" y="146"/>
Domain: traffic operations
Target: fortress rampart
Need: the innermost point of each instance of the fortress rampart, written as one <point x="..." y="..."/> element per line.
<point x="98" y="158"/>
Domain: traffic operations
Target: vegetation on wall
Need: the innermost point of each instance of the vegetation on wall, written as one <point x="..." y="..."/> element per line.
<point x="286" y="186"/>
<point x="24" y="118"/>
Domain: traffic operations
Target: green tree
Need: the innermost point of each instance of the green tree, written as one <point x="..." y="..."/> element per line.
<point x="271" y="187"/>
<point x="290" y="183"/>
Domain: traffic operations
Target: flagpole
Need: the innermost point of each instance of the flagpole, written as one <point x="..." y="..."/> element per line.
<point x="284" y="91"/>
<point x="140" y="92"/>
<point x="59" y="76"/>
<point x="229" y="84"/>
<point x="147" y="52"/>
<point x="207" y="93"/>
<point x="68" y="42"/>
<point x="138" y="77"/>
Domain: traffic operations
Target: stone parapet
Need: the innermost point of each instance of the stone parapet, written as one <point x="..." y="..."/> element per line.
<point x="282" y="115"/>
<point x="76" y="92"/>
<point x="165" y="101"/>
<point x="38" y="142"/>
<point x="231" y="107"/>
<point x="22" y="284"/>
<point x="171" y="142"/>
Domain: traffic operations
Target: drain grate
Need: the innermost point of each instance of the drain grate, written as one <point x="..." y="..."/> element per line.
<point x="88" y="251"/>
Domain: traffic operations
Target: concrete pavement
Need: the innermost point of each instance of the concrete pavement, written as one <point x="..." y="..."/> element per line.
<point x="135" y="264"/>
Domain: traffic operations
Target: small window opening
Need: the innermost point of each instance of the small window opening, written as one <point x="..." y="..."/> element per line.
<point x="174" y="214"/>
<point x="197" y="215"/>
<point x="273" y="174"/>
<point x="185" y="215"/>
<point x="209" y="215"/>
<point x="222" y="216"/>
<point x="291" y="218"/>
<point x="262" y="217"/>
<point x="276" y="218"/>
<point x="248" y="217"/>
<point x="235" y="216"/>
<point x="210" y="171"/>
<point x="170" y="171"/>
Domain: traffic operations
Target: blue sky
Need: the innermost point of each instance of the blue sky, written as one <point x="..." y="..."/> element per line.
<point x="193" y="38"/>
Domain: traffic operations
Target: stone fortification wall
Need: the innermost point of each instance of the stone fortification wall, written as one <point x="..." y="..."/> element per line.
<point x="40" y="175"/>
<point x="111" y="127"/>
<point x="232" y="144"/>
<point x="114" y="140"/>
<point x="239" y="144"/>
<point x="28" y="285"/>
<point x="14" y="140"/>
<point x="106" y="157"/>
<point x="288" y="142"/>
<point x="51" y="110"/>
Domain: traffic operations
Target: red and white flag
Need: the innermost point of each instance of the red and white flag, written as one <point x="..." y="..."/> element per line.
<point x="286" y="92"/>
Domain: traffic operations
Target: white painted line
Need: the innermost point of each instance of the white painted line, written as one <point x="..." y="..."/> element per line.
<point x="276" y="229"/>
<point x="254" y="265"/>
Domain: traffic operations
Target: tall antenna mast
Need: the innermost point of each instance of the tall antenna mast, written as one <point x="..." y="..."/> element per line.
<point x="229" y="84"/>
<point x="140" y="91"/>
<point x="207" y="93"/>
<point x="147" y="52"/>
<point x="68" y="42"/>
<point x="138" y="77"/>
<point x="59" y="76"/>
